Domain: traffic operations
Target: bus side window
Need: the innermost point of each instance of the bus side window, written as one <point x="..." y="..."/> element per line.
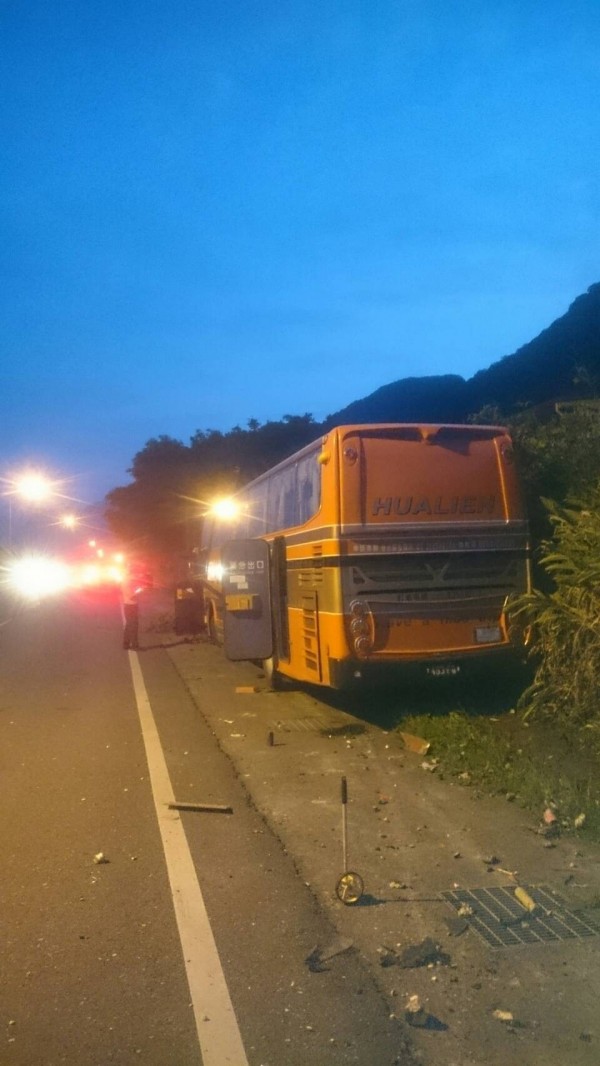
<point x="278" y="497"/>
<point x="290" y="501"/>
<point x="309" y="484"/>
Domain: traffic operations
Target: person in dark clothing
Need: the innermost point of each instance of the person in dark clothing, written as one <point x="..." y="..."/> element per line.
<point x="131" y="614"/>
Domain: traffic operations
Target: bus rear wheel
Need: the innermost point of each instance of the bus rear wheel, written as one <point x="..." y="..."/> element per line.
<point x="273" y="677"/>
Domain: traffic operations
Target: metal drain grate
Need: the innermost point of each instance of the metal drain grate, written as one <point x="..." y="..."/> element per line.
<point x="502" y="922"/>
<point x="311" y="724"/>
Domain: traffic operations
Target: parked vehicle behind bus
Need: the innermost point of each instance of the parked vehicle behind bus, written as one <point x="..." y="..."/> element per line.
<point x="377" y="546"/>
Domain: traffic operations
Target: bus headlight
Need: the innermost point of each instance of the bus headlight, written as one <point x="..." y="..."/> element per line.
<point x="215" y="571"/>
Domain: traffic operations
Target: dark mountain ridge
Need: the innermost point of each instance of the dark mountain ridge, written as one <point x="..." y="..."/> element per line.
<point x="561" y="363"/>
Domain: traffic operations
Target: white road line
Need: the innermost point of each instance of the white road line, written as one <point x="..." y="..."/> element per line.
<point x="218" y="1031"/>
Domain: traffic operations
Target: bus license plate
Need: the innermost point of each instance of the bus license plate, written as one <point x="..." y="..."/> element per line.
<point x="488" y="634"/>
<point x="451" y="670"/>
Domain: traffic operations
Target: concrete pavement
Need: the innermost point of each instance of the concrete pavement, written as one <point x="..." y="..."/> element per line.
<point x="412" y="836"/>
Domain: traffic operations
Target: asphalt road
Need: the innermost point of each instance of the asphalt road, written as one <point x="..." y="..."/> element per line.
<point x="135" y="932"/>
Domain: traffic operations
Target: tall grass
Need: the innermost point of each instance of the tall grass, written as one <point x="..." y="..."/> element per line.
<point x="565" y="623"/>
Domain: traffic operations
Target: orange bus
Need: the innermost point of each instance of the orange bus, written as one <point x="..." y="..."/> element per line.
<point x="375" y="547"/>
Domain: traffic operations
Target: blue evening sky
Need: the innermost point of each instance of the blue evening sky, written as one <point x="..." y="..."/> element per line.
<point x="220" y="211"/>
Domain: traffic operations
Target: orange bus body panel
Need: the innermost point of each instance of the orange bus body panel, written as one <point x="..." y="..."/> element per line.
<point x="417" y="543"/>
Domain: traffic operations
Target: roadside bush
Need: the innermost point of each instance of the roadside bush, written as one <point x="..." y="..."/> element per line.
<point x="558" y="456"/>
<point x="565" y="623"/>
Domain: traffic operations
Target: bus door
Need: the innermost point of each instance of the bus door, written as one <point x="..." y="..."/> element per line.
<point x="247" y="615"/>
<point x="280" y="599"/>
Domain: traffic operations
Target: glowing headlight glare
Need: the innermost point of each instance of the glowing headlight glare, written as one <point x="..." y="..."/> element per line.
<point x="90" y="574"/>
<point x="37" y="576"/>
<point x="215" y="571"/>
<point x="225" y="509"/>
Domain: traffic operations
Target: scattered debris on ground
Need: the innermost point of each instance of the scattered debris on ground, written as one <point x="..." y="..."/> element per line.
<point x="503" y="1015"/>
<point x="416" y="744"/>
<point x="427" y="953"/>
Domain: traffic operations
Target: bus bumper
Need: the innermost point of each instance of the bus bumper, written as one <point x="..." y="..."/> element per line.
<point x="494" y="662"/>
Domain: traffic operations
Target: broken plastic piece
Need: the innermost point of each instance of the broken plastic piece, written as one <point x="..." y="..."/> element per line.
<point x="427" y="953"/>
<point x="503" y="1015"/>
<point x="456" y="926"/>
<point x="525" y="899"/>
<point x="415" y="1014"/>
<point x="320" y="955"/>
<point x="416" y="744"/>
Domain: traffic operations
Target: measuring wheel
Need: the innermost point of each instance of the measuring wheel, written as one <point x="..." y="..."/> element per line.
<point x="350" y="888"/>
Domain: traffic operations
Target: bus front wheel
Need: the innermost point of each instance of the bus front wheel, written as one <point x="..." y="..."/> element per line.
<point x="213" y="631"/>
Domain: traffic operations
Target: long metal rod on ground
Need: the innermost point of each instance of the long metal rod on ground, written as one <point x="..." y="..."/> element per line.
<point x="215" y="808"/>
<point x="344" y="825"/>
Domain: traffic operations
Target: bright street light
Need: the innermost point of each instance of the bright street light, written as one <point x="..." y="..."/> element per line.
<point x="69" y="521"/>
<point x="225" y="509"/>
<point x="32" y="487"/>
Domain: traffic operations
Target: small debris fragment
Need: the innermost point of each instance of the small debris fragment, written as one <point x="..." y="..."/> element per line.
<point x="509" y="873"/>
<point x="337" y="947"/>
<point x="245" y="689"/>
<point x="414" y="1012"/>
<point x="456" y="926"/>
<point x="579" y="821"/>
<point x="525" y="899"/>
<point x="465" y="910"/>
<point x="320" y="955"/>
<point x="431" y="765"/>
<point x="503" y="1015"/>
<point x="427" y="953"/>
<point x="388" y="958"/>
<point x="490" y="860"/>
<point x="416" y="744"/>
<point x="100" y="858"/>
